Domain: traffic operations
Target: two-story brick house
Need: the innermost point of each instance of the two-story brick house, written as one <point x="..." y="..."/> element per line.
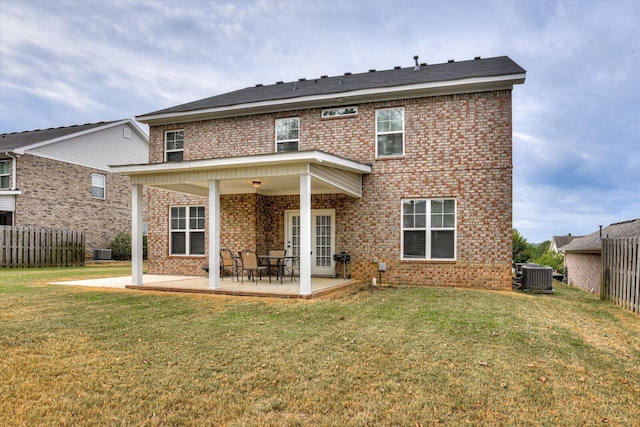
<point x="410" y="166"/>
<point x="60" y="178"/>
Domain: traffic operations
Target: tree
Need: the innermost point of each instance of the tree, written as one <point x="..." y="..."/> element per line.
<point x="520" y="247"/>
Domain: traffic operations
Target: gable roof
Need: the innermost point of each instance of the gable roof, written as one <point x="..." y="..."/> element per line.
<point x="349" y="88"/>
<point x="21" y="141"/>
<point x="561" y="241"/>
<point x="592" y="243"/>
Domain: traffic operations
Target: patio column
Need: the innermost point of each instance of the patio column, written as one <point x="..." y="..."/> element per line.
<point x="214" y="234"/>
<point x="136" y="234"/>
<point x="305" y="234"/>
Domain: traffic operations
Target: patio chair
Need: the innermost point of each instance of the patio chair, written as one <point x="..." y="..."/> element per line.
<point x="275" y="264"/>
<point x="291" y="269"/>
<point x="249" y="263"/>
<point x="228" y="261"/>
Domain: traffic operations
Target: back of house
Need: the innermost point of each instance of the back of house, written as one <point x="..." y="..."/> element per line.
<point x="407" y="170"/>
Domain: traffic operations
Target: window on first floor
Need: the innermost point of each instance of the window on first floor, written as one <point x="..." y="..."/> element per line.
<point x="287" y="134"/>
<point x="429" y="229"/>
<point x="4" y="174"/>
<point x="6" y="218"/>
<point x="187" y="226"/>
<point x="98" y="186"/>
<point x="174" y="145"/>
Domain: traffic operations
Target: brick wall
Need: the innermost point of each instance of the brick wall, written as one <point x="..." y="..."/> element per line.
<point x="456" y="146"/>
<point x="584" y="271"/>
<point x="58" y="195"/>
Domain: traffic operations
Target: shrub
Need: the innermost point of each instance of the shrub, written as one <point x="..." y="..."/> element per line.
<point x="121" y="246"/>
<point x="553" y="260"/>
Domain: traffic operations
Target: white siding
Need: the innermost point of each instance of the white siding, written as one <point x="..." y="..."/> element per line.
<point x="99" y="149"/>
<point x="8" y="203"/>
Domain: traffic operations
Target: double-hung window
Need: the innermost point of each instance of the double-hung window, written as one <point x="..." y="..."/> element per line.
<point x="429" y="229"/>
<point x="4" y="174"/>
<point x="98" y="186"/>
<point x="390" y="132"/>
<point x="186" y="224"/>
<point x="287" y="134"/>
<point x="174" y="145"/>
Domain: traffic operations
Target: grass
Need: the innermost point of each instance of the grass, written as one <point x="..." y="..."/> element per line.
<point x="388" y="356"/>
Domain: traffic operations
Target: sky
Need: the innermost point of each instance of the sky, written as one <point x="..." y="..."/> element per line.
<point x="576" y="119"/>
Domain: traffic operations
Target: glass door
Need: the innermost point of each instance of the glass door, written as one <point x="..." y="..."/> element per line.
<point x="322" y="239"/>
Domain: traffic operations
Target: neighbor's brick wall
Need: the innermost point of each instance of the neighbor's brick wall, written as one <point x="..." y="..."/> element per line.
<point x="455" y="146"/>
<point x="584" y="271"/>
<point x="58" y="195"/>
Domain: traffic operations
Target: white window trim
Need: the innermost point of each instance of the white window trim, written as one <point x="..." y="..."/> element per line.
<point x="378" y="156"/>
<point x="166" y="152"/>
<point x="8" y="174"/>
<point x="187" y="230"/>
<point x="275" y="134"/>
<point x="104" y="187"/>
<point x="428" y="230"/>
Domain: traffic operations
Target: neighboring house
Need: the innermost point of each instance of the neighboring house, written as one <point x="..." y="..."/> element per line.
<point x="582" y="257"/>
<point x="60" y="178"/>
<point x="411" y="167"/>
<point x="560" y="241"/>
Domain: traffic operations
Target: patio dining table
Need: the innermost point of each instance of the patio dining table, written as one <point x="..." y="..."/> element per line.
<point x="281" y="262"/>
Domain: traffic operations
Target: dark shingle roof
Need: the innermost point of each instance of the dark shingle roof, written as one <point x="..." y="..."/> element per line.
<point x="563" y="240"/>
<point x="348" y="82"/>
<point x="593" y="243"/>
<point x="15" y="140"/>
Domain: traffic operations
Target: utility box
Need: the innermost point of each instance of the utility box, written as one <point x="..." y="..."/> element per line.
<point x="102" y="254"/>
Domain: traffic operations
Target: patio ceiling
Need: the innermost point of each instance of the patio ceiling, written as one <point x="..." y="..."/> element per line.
<point x="276" y="172"/>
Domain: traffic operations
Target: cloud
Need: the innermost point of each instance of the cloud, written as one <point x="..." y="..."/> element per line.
<point x="576" y="122"/>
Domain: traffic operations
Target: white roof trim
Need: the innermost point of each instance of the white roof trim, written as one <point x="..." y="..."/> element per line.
<point x="143" y="135"/>
<point x="339" y="98"/>
<point x="291" y="157"/>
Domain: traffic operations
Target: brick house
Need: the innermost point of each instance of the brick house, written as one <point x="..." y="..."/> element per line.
<point x="60" y="178"/>
<point x="583" y="255"/>
<point x="410" y="166"/>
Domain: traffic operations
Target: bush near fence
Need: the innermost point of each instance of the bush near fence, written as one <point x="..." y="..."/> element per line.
<point x="621" y="272"/>
<point x="27" y="247"/>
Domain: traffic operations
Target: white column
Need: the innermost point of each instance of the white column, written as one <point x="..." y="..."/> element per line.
<point x="136" y="234"/>
<point x="214" y="234"/>
<point x="305" y="234"/>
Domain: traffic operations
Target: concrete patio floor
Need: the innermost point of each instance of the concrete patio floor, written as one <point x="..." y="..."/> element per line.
<point x="200" y="284"/>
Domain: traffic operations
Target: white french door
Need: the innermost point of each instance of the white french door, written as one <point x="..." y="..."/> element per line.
<point x="323" y="236"/>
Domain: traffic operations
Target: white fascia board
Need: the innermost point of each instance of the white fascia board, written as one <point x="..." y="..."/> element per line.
<point x="469" y="85"/>
<point x="22" y="150"/>
<point x="245" y="161"/>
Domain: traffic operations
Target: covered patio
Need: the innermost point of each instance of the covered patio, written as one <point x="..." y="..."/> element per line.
<point x="277" y="174"/>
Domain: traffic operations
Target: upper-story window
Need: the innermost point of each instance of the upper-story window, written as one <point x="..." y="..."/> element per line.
<point x="429" y="229"/>
<point x="390" y="132"/>
<point x="4" y="174"/>
<point x="287" y="134"/>
<point x="98" y="186"/>
<point x="174" y="145"/>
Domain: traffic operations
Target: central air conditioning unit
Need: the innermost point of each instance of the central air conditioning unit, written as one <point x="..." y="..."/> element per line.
<point x="537" y="278"/>
<point x="102" y="254"/>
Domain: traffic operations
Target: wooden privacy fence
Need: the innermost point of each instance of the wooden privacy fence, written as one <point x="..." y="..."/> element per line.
<point x="621" y="272"/>
<point x="22" y="247"/>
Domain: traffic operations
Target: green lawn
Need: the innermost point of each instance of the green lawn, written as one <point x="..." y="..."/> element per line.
<point x="389" y="356"/>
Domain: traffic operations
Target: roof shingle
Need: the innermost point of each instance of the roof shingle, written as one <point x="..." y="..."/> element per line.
<point x="348" y="82"/>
